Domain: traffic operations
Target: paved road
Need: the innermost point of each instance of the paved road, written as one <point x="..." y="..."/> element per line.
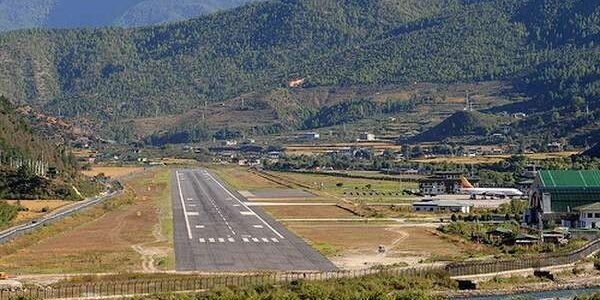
<point x="216" y="231"/>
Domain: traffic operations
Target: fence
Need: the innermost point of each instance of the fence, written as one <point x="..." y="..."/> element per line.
<point x="195" y="284"/>
<point x="206" y="283"/>
<point x="496" y="266"/>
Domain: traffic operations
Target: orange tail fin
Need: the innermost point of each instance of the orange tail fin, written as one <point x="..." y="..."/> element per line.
<point x="465" y="184"/>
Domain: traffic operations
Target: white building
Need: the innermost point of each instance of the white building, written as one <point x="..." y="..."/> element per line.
<point x="310" y="136"/>
<point x="441" y="206"/>
<point x="589" y="215"/>
<point x="365" y="136"/>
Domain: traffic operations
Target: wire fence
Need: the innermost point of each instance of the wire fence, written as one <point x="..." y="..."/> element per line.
<point x="196" y="284"/>
<point x="123" y="288"/>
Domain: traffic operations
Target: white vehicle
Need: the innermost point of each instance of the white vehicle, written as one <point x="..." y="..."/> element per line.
<point x="467" y="188"/>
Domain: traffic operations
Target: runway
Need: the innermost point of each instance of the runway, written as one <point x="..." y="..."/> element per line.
<point x="215" y="231"/>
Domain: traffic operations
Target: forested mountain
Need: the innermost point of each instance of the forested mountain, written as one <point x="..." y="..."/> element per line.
<point x="32" y="167"/>
<point x="18" y="14"/>
<point x="119" y="74"/>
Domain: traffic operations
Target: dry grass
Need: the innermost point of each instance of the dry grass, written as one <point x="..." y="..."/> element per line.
<point x="100" y="239"/>
<point x="114" y="172"/>
<point x="35" y="208"/>
<point x="241" y="179"/>
<point x="307" y="212"/>
<point x="354" y="245"/>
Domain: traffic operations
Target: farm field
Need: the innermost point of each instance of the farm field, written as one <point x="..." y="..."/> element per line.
<point x="129" y="233"/>
<point x="492" y="159"/>
<point x="112" y="171"/>
<point x="355" y="245"/>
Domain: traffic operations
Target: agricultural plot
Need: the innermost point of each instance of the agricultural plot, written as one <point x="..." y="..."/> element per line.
<point x="308" y="212"/>
<point x="36" y="208"/>
<point x="242" y="179"/>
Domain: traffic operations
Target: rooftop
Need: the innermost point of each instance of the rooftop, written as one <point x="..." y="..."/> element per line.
<point x="588" y="207"/>
<point x="570" y="179"/>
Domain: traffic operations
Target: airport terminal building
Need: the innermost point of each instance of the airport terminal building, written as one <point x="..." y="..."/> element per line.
<point x="559" y="195"/>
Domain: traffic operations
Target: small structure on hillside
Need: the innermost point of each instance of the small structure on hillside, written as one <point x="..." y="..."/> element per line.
<point x="365" y="136"/>
<point x="309" y="136"/>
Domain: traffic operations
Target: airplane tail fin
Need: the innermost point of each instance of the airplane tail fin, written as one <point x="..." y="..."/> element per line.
<point x="465" y="184"/>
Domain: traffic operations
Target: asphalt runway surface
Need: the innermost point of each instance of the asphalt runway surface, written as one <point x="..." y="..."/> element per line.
<point x="215" y="231"/>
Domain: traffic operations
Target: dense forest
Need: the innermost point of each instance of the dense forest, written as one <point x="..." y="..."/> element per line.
<point x="549" y="48"/>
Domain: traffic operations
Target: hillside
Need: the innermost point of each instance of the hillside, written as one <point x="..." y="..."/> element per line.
<point x="109" y="76"/>
<point x="19" y="14"/>
<point x="460" y="124"/>
<point x="32" y="167"/>
<point x="593" y="152"/>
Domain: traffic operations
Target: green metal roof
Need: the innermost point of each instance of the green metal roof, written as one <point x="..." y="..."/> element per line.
<point x="570" y="179"/>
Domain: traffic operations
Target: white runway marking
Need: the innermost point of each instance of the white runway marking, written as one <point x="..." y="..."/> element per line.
<point x="192" y="205"/>
<point x="192" y="213"/>
<point x="236" y="205"/>
<point x="199" y="226"/>
<point x="211" y="240"/>
<point x="185" y="215"/>
<point x="245" y="206"/>
<point x="247" y="213"/>
<point x="212" y="201"/>
<point x="258" y="226"/>
<point x="246" y="240"/>
<point x="275" y="240"/>
<point x="189" y="199"/>
<point x="221" y="240"/>
<point x="255" y="240"/>
<point x="265" y="240"/>
<point x="202" y="240"/>
<point x="231" y="240"/>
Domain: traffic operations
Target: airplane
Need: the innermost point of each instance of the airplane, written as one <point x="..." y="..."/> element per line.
<point x="467" y="188"/>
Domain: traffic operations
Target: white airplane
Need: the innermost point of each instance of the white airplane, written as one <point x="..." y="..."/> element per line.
<point x="467" y="188"/>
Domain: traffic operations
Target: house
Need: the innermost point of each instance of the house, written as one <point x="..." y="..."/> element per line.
<point x="555" y="147"/>
<point x="310" y="136"/>
<point x="555" y="195"/>
<point x="441" y="206"/>
<point x="365" y="136"/>
<point x="589" y="216"/>
<point x="296" y="83"/>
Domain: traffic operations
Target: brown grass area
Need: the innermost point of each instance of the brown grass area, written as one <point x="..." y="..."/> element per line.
<point x="307" y="212"/>
<point x="113" y="172"/>
<point x="355" y="245"/>
<point x="97" y="240"/>
<point x="35" y="208"/>
<point x="241" y="179"/>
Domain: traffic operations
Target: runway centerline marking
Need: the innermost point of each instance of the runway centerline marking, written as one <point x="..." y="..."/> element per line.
<point x="245" y="206"/>
<point x="212" y="202"/>
<point x="185" y="213"/>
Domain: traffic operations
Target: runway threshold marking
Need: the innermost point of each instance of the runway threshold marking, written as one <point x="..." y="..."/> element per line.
<point x="245" y="206"/>
<point x="185" y="213"/>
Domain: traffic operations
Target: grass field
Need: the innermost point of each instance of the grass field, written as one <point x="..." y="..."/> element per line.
<point x="308" y="212"/>
<point x="129" y="233"/>
<point x="366" y="187"/>
<point x="241" y="179"/>
<point x="351" y="245"/>
<point x="112" y="171"/>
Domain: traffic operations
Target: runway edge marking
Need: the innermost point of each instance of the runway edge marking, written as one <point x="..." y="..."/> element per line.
<point x="245" y="206"/>
<point x="185" y="213"/>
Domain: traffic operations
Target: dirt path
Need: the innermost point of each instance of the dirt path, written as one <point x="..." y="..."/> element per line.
<point x="151" y="253"/>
